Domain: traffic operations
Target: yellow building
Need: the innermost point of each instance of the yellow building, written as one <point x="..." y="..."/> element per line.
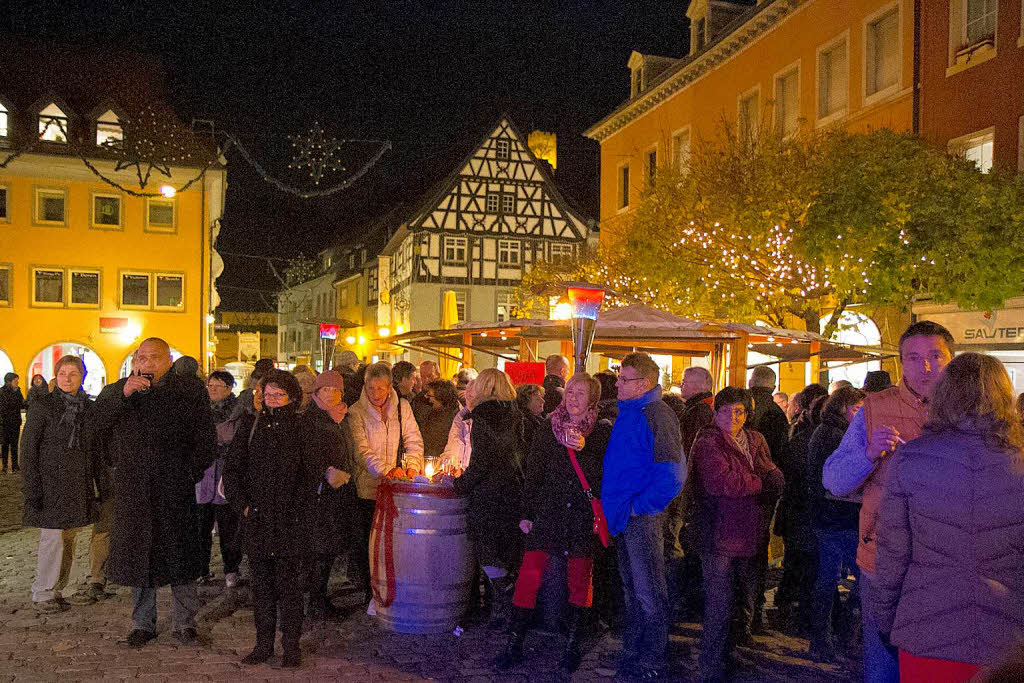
<point x="785" y="63"/>
<point x="86" y="266"/>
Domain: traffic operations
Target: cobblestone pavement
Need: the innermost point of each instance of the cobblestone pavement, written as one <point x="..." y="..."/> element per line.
<point x="82" y="643"/>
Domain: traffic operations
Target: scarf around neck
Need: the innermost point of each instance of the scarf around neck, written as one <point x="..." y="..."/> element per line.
<point x="73" y="407"/>
<point x="561" y="421"/>
<point x="337" y="412"/>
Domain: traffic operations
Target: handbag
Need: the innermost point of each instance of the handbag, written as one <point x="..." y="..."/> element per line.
<point x="400" y="453"/>
<point x="600" y="522"/>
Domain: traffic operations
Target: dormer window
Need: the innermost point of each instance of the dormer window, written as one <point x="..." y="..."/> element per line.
<point x="109" y="132"/>
<point x="700" y="35"/>
<point x="53" y="124"/>
<point x="5" y="131"/>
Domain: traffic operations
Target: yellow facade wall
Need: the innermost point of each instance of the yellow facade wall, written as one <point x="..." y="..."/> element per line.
<point x="27" y="329"/>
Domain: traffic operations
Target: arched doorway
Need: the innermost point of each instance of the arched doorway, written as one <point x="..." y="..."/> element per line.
<point x="855" y="329"/>
<point x="126" y="364"/>
<point x="7" y="366"/>
<point x="95" y="371"/>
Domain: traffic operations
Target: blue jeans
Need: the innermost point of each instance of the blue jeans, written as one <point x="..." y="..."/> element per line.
<point x="881" y="662"/>
<point x="185" y="602"/>
<point x="642" y="567"/>
<point x="837" y="549"/>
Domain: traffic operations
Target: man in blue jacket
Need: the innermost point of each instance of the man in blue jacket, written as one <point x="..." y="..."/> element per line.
<point x="643" y="472"/>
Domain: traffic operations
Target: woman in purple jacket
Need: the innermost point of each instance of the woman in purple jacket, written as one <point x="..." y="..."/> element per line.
<point x="950" y="565"/>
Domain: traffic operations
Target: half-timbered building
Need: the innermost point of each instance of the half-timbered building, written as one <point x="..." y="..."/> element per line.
<point x="477" y="233"/>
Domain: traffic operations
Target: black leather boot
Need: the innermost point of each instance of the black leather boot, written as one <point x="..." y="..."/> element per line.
<point x="574" y="645"/>
<point x="513" y="654"/>
<point x="501" y="602"/>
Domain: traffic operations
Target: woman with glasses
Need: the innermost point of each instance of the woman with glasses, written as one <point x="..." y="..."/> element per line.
<point x="437" y="421"/>
<point x="274" y="470"/>
<point x="737" y="487"/>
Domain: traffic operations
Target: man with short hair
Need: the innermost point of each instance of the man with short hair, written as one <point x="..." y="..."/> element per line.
<point x="781" y="399"/>
<point x="429" y="371"/>
<point x="839" y="384"/>
<point x="352" y="372"/>
<point x="158" y="429"/>
<point x="643" y="473"/>
<point x="556" y="372"/>
<point x="421" y="405"/>
<point x="889" y="418"/>
<point x="403" y="376"/>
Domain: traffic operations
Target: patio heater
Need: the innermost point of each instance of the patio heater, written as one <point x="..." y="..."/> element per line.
<point x="585" y="301"/>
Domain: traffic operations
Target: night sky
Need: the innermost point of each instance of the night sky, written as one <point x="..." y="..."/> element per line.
<point x="430" y="77"/>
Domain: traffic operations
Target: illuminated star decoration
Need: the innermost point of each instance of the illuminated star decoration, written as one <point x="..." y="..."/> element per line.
<point x="151" y="140"/>
<point x="316" y="152"/>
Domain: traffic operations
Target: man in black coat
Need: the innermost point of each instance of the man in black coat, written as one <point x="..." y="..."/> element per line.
<point x="11" y="405"/>
<point x="158" y="428"/>
<point x="556" y="371"/>
<point x="770" y="420"/>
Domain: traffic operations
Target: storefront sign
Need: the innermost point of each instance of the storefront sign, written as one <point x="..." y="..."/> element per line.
<point x="1002" y="326"/>
<point x="113" y="325"/>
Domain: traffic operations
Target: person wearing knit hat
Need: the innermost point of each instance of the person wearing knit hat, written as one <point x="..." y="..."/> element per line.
<point x="336" y="506"/>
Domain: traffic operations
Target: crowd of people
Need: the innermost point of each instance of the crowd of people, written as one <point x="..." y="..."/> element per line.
<point x="899" y="506"/>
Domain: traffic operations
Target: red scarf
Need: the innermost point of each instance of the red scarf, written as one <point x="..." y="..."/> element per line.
<point x="561" y="421"/>
<point x="337" y="412"/>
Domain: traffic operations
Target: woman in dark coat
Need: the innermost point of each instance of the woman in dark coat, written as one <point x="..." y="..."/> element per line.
<point x="62" y="479"/>
<point x="39" y="388"/>
<point x="11" y="405"/>
<point x="557" y="513"/>
<point x="493" y="481"/>
<point x="530" y="398"/>
<point x="274" y="469"/>
<point x="835" y="522"/>
<point x="336" y="495"/>
<point x="437" y="419"/>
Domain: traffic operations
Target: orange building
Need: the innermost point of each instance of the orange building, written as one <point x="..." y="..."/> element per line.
<point x="794" y="62"/>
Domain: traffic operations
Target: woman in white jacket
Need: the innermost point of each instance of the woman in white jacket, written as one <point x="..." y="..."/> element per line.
<point x="380" y="421"/>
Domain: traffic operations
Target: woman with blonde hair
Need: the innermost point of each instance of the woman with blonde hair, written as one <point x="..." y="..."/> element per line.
<point x="557" y="514"/>
<point x="950" y="565"/>
<point x="493" y="482"/>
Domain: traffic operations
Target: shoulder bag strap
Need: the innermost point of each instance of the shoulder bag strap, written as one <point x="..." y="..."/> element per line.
<point x="400" y="454"/>
<point x="580" y="475"/>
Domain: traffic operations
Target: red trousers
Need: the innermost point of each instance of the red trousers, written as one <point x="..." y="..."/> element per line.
<point x="531" y="573"/>
<point x="929" y="670"/>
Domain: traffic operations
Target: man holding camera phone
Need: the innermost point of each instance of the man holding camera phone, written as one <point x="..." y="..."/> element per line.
<point x="157" y="428"/>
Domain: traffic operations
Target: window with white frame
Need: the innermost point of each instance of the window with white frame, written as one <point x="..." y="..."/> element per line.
<point x="979" y="21"/>
<point x="787" y="101"/>
<point x="559" y="253"/>
<point x="4" y="125"/>
<point x="53" y="124"/>
<point x="106" y="210"/>
<point x="508" y="203"/>
<point x="134" y="290"/>
<point x="623" y="186"/>
<point x="47" y="286"/>
<point x="503" y="303"/>
<point x="508" y="252"/>
<point x="4" y="216"/>
<point x="833" y="79"/>
<point x="455" y="250"/>
<point x="977" y="147"/>
<point x="51" y="206"/>
<point x="460" y="305"/>
<point x="170" y="292"/>
<point x="681" y="149"/>
<point x="5" y="284"/>
<point x="882" y="43"/>
<point x="749" y="118"/>
<point x="85" y="287"/>
<point x="502" y="148"/>
<point x="160" y="215"/>
<point x="108" y="129"/>
<point x="652" y="165"/>
<point x="343" y="296"/>
<point x="493" y="202"/>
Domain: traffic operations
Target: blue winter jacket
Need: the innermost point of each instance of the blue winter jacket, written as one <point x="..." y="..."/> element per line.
<point x="644" y="464"/>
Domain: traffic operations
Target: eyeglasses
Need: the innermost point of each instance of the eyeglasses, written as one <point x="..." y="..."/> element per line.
<point x="275" y="394"/>
<point x="631" y="379"/>
<point x="217" y="385"/>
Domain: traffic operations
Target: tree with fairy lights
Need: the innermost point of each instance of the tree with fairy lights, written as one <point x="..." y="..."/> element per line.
<point x="777" y="228"/>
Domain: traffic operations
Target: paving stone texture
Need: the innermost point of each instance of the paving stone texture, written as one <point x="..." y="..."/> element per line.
<point x="81" y="644"/>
